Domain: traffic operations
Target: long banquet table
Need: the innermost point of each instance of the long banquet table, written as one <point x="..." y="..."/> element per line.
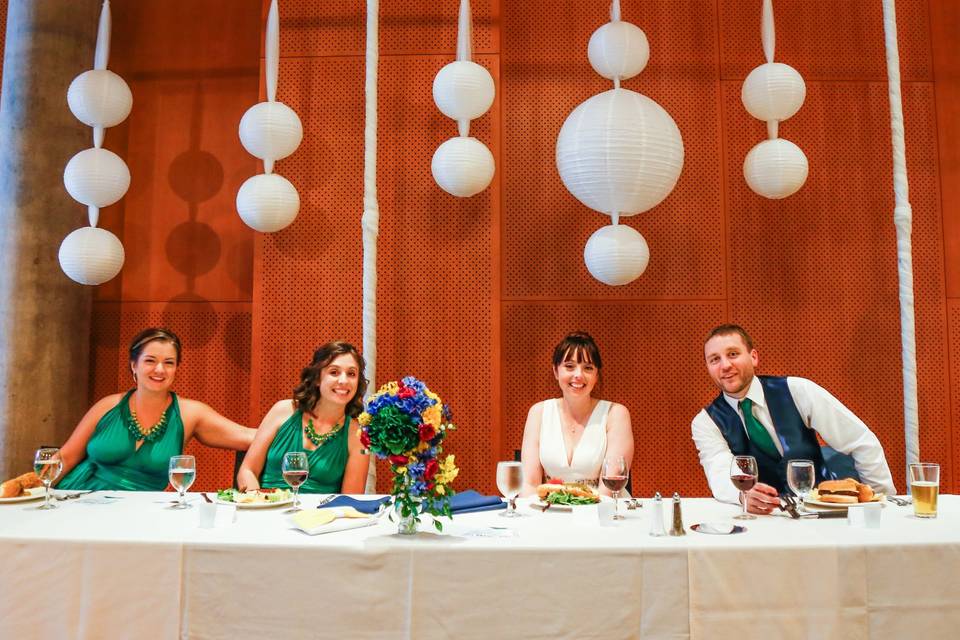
<point x="131" y="568"/>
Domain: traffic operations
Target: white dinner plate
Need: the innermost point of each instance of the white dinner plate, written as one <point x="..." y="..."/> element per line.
<point x="32" y="494"/>
<point x="880" y="498"/>
<point x="257" y="505"/>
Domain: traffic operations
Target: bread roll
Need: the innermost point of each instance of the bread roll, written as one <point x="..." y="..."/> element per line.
<point x="11" y="488"/>
<point x="29" y="480"/>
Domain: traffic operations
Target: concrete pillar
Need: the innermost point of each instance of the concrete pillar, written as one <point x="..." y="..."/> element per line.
<point x="44" y="316"/>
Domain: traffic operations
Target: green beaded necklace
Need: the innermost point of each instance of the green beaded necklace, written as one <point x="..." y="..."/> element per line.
<point x="136" y="430"/>
<point x="319" y="439"/>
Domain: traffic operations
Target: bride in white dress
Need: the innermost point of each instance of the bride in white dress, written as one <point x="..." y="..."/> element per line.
<point x="569" y="437"/>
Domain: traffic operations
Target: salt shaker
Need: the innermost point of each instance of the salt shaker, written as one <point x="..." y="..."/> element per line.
<point x="656" y="520"/>
<point x="677" y="529"/>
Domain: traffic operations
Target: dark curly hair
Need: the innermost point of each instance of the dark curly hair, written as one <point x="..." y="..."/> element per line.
<point x="307" y="394"/>
<point x="153" y="334"/>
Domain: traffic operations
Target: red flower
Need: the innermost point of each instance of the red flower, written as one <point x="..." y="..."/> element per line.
<point x="430" y="469"/>
<point x="430" y="486"/>
<point x="400" y="461"/>
<point x="365" y="439"/>
<point x="405" y="392"/>
<point x="427" y="432"/>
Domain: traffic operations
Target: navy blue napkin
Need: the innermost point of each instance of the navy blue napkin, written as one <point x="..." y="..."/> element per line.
<point x="363" y="506"/>
<point x="470" y="501"/>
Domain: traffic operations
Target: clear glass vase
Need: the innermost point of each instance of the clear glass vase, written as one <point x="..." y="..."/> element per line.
<point x="407" y="526"/>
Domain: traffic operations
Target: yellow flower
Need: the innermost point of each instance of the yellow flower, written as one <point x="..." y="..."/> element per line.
<point x="423" y="446"/>
<point x="432" y="416"/>
<point x="364" y="419"/>
<point x="432" y="396"/>
<point x="401" y="470"/>
<point x="448" y="471"/>
<point x="440" y="489"/>
<point x="390" y="387"/>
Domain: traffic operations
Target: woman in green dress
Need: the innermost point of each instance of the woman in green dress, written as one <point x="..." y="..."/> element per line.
<point x="317" y="421"/>
<point x="125" y="440"/>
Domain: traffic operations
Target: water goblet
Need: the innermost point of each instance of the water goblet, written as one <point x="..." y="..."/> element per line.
<point x="47" y="464"/>
<point x="183" y="471"/>
<point x="743" y="475"/>
<point x="614" y="478"/>
<point x="801" y="476"/>
<point x="509" y="482"/>
<point x="296" y="469"/>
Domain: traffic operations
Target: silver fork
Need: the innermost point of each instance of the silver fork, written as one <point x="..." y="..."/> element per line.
<point x="900" y="502"/>
<point x="71" y="496"/>
<point x="325" y="499"/>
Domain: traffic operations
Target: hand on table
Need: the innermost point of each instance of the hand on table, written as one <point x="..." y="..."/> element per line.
<point x="762" y="499"/>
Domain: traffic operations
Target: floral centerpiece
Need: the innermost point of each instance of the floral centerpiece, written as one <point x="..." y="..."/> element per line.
<point x="405" y="423"/>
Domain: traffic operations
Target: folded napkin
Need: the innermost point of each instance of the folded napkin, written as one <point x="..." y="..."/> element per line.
<point x="470" y="501"/>
<point x="363" y="506"/>
<point x="328" y="520"/>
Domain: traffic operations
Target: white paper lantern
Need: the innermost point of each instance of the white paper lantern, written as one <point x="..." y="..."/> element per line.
<point x="463" y="167"/>
<point x="270" y="131"/>
<point x="99" y="98"/>
<point x="91" y="255"/>
<point x="268" y="202"/>
<point x="773" y="91"/>
<point x="96" y="177"/>
<point x="775" y="168"/>
<point x="618" y="50"/>
<point x="619" y="151"/>
<point x="463" y="90"/>
<point x="616" y="254"/>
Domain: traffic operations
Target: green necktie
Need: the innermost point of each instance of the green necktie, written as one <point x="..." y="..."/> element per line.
<point x="757" y="432"/>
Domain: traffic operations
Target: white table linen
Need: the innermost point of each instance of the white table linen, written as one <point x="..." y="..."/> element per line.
<point x="133" y="569"/>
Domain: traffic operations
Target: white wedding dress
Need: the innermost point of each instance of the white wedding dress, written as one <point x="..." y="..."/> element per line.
<point x="587" y="459"/>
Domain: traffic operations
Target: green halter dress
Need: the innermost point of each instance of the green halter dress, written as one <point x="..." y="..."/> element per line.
<point x="114" y="463"/>
<point x="327" y="462"/>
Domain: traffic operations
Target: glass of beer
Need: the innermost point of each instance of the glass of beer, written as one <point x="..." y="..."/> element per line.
<point x="925" y="488"/>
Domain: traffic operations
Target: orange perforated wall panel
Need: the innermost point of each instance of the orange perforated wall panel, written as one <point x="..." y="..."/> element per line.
<point x="474" y="293"/>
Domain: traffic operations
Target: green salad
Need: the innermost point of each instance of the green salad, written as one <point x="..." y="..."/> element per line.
<point x="261" y="496"/>
<point x="560" y="497"/>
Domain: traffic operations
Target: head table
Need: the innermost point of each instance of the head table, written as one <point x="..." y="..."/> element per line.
<point x="128" y="567"/>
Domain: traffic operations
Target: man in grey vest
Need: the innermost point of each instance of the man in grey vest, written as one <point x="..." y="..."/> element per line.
<point x="774" y="419"/>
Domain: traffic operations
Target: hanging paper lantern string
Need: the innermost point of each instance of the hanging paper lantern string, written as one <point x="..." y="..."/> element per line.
<point x="269" y="131"/>
<point x="463" y="91"/>
<point x="96" y="177"/>
<point x="773" y="92"/>
<point x="619" y="152"/>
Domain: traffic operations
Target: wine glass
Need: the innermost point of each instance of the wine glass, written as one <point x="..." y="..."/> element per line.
<point x="296" y="470"/>
<point x="47" y="464"/>
<point x="614" y="478"/>
<point x="183" y="471"/>
<point x="800" y="477"/>
<point x="509" y="482"/>
<point x="743" y="474"/>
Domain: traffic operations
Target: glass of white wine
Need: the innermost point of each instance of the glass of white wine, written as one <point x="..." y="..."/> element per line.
<point x="509" y="482"/>
<point x="801" y="476"/>
<point x="296" y="469"/>
<point x="47" y="464"/>
<point x="183" y="471"/>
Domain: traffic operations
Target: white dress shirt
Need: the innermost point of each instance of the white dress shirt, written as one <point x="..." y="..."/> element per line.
<point x="819" y="410"/>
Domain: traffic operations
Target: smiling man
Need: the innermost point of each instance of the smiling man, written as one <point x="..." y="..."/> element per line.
<point x="774" y="419"/>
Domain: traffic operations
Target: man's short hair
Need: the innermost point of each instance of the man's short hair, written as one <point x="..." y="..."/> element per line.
<point x="730" y="329"/>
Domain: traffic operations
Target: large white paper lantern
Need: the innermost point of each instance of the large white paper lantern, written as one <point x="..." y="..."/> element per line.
<point x="463" y="167"/>
<point x="96" y="177"/>
<point x="99" y="98"/>
<point x="619" y="152"/>
<point x="268" y="202"/>
<point x="616" y="254"/>
<point x="463" y="90"/>
<point x="91" y="255"/>
<point x="270" y="131"/>
<point x="773" y="91"/>
<point x="775" y="168"/>
<point x="618" y="50"/>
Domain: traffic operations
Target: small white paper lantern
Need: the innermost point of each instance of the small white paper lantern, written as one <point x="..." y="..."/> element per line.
<point x="99" y="98"/>
<point x="463" y="90"/>
<point x="616" y="254"/>
<point x="268" y="202"/>
<point x="618" y="50"/>
<point x="463" y="167"/>
<point x="775" y="168"/>
<point x="91" y="255"/>
<point x="619" y="151"/>
<point x="96" y="177"/>
<point x="270" y="131"/>
<point x="773" y="91"/>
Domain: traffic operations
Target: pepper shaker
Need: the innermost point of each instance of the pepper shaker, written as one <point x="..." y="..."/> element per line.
<point x="677" y="529"/>
<point x="656" y="520"/>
